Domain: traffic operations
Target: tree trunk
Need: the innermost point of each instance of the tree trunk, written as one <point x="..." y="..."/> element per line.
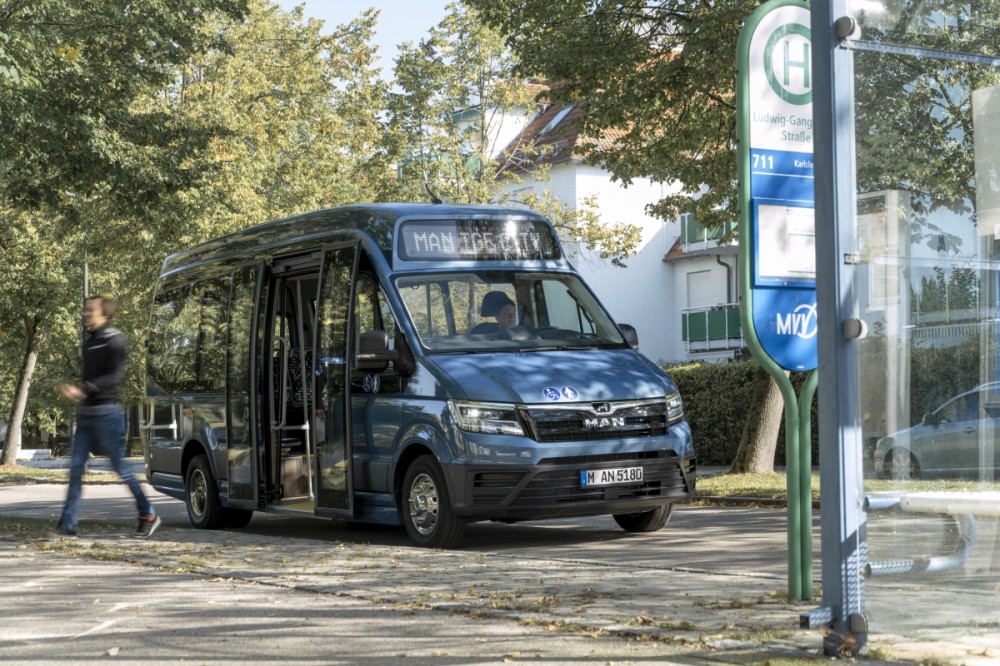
<point x="13" y="443"/>
<point x="759" y="439"/>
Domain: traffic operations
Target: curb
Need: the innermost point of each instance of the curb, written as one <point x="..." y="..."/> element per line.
<point x="749" y="501"/>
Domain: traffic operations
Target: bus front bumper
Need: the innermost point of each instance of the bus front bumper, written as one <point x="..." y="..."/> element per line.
<point x="554" y="488"/>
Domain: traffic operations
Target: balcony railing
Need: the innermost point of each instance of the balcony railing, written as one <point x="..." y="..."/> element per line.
<point x="715" y="328"/>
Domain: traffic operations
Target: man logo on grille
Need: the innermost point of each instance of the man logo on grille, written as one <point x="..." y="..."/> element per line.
<point x="604" y="423"/>
<point x="602" y="407"/>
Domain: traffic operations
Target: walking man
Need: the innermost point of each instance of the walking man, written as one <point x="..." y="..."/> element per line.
<point x="100" y="419"/>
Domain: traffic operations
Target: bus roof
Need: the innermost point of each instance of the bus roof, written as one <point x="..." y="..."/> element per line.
<point x="375" y="221"/>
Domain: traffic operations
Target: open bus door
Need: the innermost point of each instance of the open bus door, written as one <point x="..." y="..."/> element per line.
<point x="241" y="380"/>
<point x="335" y="496"/>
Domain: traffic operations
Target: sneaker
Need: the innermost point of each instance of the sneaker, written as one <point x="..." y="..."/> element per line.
<point x="147" y="525"/>
<point x="60" y="532"/>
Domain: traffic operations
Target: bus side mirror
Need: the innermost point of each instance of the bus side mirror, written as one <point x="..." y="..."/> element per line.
<point x="373" y="352"/>
<point x="631" y="336"/>
<point x="404" y="363"/>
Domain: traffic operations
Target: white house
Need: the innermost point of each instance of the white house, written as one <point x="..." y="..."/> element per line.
<point x="680" y="290"/>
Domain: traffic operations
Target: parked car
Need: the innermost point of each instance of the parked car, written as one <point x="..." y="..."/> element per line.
<point x="955" y="440"/>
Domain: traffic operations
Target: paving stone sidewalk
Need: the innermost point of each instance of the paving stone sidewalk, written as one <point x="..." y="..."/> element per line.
<point x="691" y="616"/>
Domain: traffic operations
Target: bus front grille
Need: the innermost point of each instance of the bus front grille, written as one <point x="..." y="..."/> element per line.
<point x="598" y="421"/>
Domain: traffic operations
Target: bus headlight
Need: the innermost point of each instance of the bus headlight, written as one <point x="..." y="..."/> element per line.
<point x="675" y="408"/>
<point x="486" y="417"/>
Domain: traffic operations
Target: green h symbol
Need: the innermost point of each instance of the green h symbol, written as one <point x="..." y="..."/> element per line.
<point x="802" y="64"/>
<point x="780" y="83"/>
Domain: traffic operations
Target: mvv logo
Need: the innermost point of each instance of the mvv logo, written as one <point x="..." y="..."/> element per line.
<point x="801" y="322"/>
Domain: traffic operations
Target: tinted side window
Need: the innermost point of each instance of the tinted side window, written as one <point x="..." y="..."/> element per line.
<point x="187" y="351"/>
<point x="172" y="343"/>
<point x="213" y="317"/>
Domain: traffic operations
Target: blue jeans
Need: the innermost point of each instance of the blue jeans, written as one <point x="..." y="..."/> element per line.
<point x="102" y="434"/>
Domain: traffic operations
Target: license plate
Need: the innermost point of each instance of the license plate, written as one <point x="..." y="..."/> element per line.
<point x="610" y="477"/>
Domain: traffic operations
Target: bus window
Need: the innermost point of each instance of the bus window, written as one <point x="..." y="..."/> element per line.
<point x="430" y="308"/>
<point x="551" y="309"/>
<point x="212" y="335"/>
<point x="172" y="344"/>
<point x="371" y="310"/>
<point x="564" y="310"/>
<point x="188" y="337"/>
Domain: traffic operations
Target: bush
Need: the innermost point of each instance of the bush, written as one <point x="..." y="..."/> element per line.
<point x="717" y="400"/>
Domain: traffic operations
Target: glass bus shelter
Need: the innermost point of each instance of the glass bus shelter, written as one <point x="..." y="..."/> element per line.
<point x="907" y="145"/>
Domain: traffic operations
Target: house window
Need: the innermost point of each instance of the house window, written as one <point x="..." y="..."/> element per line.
<point x="555" y="121"/>
<point x="693" y="232"/>
<point x="700" y="290"/>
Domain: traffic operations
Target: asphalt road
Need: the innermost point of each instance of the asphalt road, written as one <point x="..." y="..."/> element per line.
<point x="723" y="540"/>
<point x="706" y="589"/>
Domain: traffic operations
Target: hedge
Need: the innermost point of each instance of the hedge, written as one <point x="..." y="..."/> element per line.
<point x="716" y="403"/>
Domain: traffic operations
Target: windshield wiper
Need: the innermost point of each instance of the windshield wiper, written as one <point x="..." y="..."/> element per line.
<point x="557" y="348"/>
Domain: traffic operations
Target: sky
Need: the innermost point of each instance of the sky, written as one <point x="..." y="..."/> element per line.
<point x="399" y="20"/>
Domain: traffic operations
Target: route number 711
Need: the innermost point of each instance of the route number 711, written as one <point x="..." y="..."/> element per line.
<point x="763" y="161"/>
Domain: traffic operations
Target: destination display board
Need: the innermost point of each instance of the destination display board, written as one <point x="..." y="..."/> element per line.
<point x="477" y="240"/>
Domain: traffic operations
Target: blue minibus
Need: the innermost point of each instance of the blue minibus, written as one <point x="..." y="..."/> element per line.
<point x="427" y="365"/>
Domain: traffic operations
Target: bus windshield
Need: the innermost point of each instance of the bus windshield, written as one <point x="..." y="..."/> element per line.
<point x="505" y="311"/>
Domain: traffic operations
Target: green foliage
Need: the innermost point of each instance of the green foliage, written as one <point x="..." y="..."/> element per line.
<point x="300" y="110"/>
<point x="460" y="103"/>
<point x="651" y="71"/>
<point x="716" y="402"/>
<point x="456" y="93"/>
<point x="937" y="373"/>
<point x="147" y="127"/>
<point x="78" y="71"/>
<point x="130" y="150"/>
<point x="915" y="124"/>
<point x="717" y="399"/>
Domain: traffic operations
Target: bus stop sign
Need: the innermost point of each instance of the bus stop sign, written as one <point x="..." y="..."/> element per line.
<point x="776" y="180"/>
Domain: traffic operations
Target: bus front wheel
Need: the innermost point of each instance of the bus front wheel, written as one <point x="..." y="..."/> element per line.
<point x="645" y="521"/>
<point x="426" y="508"/>
<point x="202" y="495"/>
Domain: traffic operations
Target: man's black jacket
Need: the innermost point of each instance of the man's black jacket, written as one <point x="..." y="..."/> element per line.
<point x="104" y="354"/>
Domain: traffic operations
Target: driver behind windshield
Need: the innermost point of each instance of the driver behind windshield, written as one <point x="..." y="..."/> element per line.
<point x="507" y="315"/>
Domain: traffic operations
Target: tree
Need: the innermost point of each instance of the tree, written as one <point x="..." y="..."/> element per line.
<point x="759" y="438"/>
<point x="662" y="73"/>
<point x="460" y="107"/>
<point x="75" y="71"/>
<point x="302" y="112"/>
<point x="287" y="118"/>
<point x="28" y="249"/>
<point x="73" y="78"/>
<point x="915" y="124"/>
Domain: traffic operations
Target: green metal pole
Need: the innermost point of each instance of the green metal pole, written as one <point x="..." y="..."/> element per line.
<point x="805" y="485"/>
<point x="793" y="481"/>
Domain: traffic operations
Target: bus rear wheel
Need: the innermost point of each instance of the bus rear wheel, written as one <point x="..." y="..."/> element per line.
<point x="426" y="508"/>
<point x="202" y="495"/>
<point x="645" y="521"/>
